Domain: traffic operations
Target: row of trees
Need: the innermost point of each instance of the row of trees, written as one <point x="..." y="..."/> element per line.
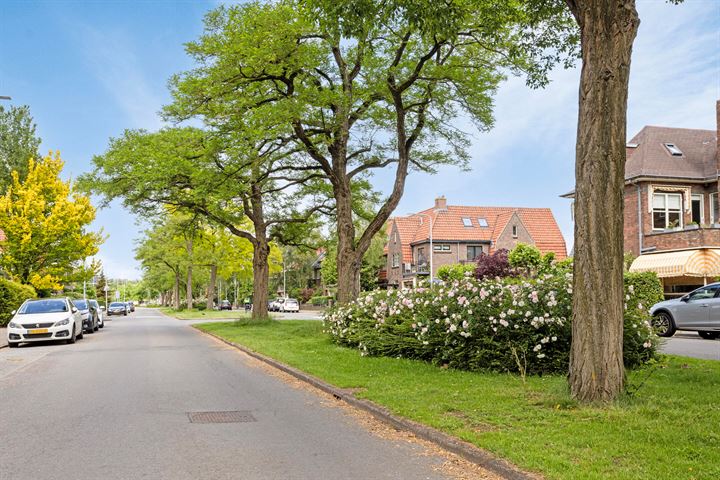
<point x="301" y="101"/>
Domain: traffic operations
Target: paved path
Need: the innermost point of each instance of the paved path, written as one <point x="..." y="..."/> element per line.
<point x="114" y="406"/>
<point x="3" y="337"/>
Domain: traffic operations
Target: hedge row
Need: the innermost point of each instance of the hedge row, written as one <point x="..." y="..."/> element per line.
<point x="507" y="325"/>
<point x="12" y="295"/>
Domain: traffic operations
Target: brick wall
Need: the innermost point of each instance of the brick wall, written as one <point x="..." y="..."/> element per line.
<point x="506" y="239"/>
<point x="699" y="237"/>
<point x="394" y="275"/>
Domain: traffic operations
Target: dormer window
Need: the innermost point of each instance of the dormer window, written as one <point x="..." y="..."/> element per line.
<point x="482" y="222"/>
<point x="467" y="222"/>
<point x="674" y="150"/>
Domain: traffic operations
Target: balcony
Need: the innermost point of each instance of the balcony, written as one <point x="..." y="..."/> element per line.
<point x="692" y="236"/>
<point x="415" y="269"/>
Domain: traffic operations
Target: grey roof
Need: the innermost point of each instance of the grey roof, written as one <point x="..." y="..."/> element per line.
<point x="652" y="158"/>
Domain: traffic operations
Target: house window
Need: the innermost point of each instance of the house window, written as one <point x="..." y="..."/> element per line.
<point x="474" y="251"/>
<point x="514" y="230"/>
<point x="667" y="211"/>
<point x="395" y="260"/>
<point x="421" y="260"/>
<point x="467" y="222"/>
<point x="674" y="150"/>
<point x="482" y="222"/>
<point x="441" y="248"/>
<point x="698" y="212"/>
<point x="713" y="208"/>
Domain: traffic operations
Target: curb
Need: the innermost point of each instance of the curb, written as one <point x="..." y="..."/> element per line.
<point x="470" y="452"/>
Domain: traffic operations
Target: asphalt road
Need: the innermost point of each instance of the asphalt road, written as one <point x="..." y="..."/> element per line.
<point x="689" y="344"/>
<point x="115" y="406"/>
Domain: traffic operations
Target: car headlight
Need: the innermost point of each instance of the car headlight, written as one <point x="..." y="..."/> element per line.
<point x="62" y="322"/>
<point x="14" y="325"/>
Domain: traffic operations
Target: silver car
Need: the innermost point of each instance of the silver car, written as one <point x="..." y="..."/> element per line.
<point x="697" y="311"/>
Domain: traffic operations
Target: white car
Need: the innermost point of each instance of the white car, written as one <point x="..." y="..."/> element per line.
<point x="290" y="305"/>
<point x="45" y="319"/>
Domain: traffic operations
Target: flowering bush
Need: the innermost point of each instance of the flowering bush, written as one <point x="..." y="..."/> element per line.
<point x="508" y="324"/>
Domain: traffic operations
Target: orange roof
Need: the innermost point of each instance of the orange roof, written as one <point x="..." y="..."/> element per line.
<point x="448" y="225"/>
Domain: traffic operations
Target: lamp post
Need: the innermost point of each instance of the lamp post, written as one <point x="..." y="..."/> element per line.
<point x="4" y="97"/>
<point x="430" y="219"/>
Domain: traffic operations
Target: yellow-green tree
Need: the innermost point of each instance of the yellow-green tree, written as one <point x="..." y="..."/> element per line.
<point x="45" y="223"/>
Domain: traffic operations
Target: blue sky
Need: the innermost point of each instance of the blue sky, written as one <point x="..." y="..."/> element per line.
<point x="90" y="69"/>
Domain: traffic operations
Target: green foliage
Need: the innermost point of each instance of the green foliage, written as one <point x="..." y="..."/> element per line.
<point x="18" y="144"/>
<point x="320" y="301"/>
<point x="12" y="295"/>
<point x="456" y="271"/>
<point x="507" y="324"/>
<point x="526" y="257"/>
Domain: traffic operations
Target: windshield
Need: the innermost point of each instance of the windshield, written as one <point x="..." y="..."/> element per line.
<point x="81" y="304"/>
<point x="49" y="305"/>
<point x="116" y="304"/>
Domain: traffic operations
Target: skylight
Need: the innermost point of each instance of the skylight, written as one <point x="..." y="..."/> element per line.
<point x="674" y="150"/>
<point x="482" y="222"/>
<point x="467" y="222"/>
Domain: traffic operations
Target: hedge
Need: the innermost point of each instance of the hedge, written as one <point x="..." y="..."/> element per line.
<point x="320" y="301"/>
<point x="12" y="295"/>
<point x="504" y="324"/>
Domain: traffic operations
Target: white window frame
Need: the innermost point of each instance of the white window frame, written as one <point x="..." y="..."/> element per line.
<point x="395" y="260"/>
<point x="482" y="221"/>
<point x="701" y="197"/>
<point x="467" y="221"/>
<point x="713" y="203"/>
<point x="667" y="211"/>
<point x="441" y="248"/>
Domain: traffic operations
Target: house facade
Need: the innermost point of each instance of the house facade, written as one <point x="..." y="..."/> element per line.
<point x="460" y="234"/>
<point x="671" y="204"/>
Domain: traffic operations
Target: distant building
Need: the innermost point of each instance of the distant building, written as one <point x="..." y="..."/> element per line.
<point x="460" y="234"/>
<point x="672" y="215"/>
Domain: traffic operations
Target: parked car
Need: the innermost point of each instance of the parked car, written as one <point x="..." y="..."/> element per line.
<point x="291" y="305"/>
<point x="697" y="311"/>
<point x="45" y="319"/>
<point x="225" y="305"/>
<point x="89" y="317"/>
<point x="99" y="311"/>
<point x="117" y="308"/>
<point x="276" y="305"/>
<point x="131" y="305"/>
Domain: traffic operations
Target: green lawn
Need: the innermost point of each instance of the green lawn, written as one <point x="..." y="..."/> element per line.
<point x="669" y="429"/>
<point x="195" y="314"/>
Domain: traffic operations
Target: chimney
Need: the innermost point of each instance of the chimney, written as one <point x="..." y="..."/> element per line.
<point x="441" y="203"/>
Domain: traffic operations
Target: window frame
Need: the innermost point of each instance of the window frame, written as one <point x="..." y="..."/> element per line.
<point x="467" y="222"/>
<point x="467" y="252"/>
<point x="693" y="198"/>
<point x="514" y="231"/>
<point x="441" y="248"/>
<point x="482" y="222"/>
<point x="395" y="260"/>
<point x="713" y="198"/>
<point x="667" y="211"/>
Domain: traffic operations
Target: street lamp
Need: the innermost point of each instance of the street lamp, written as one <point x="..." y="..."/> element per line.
<point x="430" y="218"/>
<point x="3" y="97"/>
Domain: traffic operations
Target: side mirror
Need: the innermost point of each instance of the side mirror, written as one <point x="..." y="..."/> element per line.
<point x="73" y="309"/>
<point x="685" y="298"/>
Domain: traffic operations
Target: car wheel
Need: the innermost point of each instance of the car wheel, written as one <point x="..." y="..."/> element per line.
<point x="709" y="335"/>
<point x="72" y="337"/>
<point x="125" y="314"/>
<point x="13" y="344"/>
<point x="664" y="324"/>
<point x="97" y="327"/>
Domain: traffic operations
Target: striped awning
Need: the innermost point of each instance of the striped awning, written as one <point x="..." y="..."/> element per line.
<point x="702" y="262"/>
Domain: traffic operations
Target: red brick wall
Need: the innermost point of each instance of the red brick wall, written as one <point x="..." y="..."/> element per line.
<point x="683" y="239"/>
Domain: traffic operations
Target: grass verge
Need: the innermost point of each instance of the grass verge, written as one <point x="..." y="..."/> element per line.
<point x="668" y="429"/>
<point x="195" y="314"/>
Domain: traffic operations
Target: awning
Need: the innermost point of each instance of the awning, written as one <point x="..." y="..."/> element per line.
<point x="702" y="262"/>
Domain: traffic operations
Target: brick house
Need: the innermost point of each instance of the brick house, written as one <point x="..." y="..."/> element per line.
<point x="671" y="204"/>
<point x="460" y="234"/>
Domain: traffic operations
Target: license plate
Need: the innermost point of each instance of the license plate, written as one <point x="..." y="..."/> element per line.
<point x="37" y="330"/>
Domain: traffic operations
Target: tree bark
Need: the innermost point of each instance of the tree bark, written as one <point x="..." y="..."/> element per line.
<point x="211" y="287"/>
<point x="608" y="29"/>
<point x="261" y="275"/>
<point x="188" y="285"/>
<point x="176" y="290"/>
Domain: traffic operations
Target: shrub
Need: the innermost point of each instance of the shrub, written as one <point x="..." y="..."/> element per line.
<point x="305" y="295"/>
<point x="526" y="257"/>
<point x="320" y="301"/>
<point x="456" y="271"/>
<point x="493" y="265"/>
<point x="12" y="295"/>
<point x="510" y="324"/>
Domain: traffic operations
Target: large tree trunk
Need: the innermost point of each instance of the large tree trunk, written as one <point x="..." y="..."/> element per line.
<point x="348" y="266"/>
<point x="188" y="285"/>
<point x="608" y="29"/>
<point x="176" y="290"/>
<point x="261" y="275"/>
<point x="211" y="287"/>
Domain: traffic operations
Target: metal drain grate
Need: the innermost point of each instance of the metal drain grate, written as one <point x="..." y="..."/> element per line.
<point x="237" y="416"/>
